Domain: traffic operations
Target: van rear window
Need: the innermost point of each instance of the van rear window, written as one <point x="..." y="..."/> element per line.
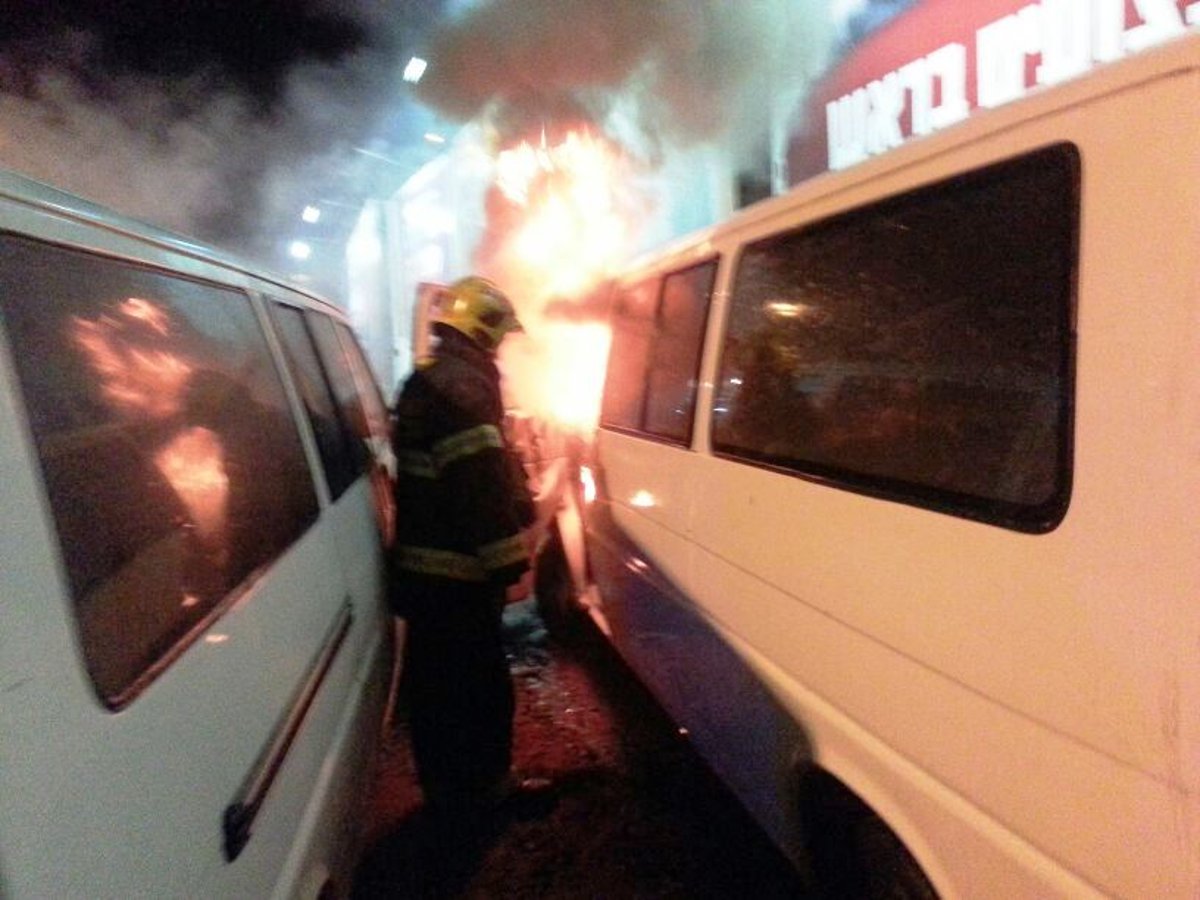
<point x="919" y="349"/>
<point x="173" y="466"/>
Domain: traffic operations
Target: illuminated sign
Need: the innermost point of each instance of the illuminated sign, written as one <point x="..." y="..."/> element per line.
<point x="930" y="66"/>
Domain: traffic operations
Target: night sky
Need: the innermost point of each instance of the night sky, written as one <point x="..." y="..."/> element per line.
<point x="252" y="43"/>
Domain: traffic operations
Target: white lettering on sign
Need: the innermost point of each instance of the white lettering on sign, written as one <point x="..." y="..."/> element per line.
<point x="1160" y="22"/>
<point x="1000" y="50"/>
<point x="1069" y="37"/>
<point x="868" y="121"/>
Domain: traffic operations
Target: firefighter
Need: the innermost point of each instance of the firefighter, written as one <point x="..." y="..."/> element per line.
<point x="460" y="544"/>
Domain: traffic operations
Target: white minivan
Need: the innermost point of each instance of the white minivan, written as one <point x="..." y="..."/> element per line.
<point x="194" y="647"/>
<point x="897" y="499"/>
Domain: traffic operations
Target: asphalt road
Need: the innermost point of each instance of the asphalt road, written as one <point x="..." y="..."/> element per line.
<point x="632" y="811"/>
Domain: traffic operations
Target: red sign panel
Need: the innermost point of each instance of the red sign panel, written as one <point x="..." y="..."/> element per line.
<point x="930" y="66"/>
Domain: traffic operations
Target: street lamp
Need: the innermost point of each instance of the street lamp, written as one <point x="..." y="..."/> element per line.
<point x="414" y="70"/>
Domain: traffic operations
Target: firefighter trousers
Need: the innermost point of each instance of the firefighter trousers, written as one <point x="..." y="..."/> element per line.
<point x="459" y="691"/>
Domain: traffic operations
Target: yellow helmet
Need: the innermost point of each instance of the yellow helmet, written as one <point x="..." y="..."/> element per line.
<point x="480" y="310"/>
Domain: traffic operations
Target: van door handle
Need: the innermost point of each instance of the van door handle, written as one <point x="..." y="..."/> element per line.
<point x="238" y="820"/>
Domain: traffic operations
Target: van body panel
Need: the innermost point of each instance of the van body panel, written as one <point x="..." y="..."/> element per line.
<point x="226" y="691"/>
<point x="676" y="646"/>
<point x="1023" y="709"/>
<point x="133" y="802"/>
<point x="334" y="817"/>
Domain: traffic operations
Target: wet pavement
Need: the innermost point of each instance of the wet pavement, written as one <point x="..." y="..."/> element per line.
<point x="631" y="812"/>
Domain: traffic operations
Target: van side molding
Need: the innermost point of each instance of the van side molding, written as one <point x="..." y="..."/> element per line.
<point x="238" y="820"/>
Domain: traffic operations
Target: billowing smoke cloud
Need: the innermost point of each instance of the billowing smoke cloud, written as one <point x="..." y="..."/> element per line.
<point x="208" y="121"/>
<point x="673" y="71"/>
<point x="652" y="77"/>
<point x="157" y="150"/>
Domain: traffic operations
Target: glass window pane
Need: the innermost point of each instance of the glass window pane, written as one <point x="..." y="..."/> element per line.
<point x="629" y="356"/>
<point x="378" y="433"/>
<point x="334" y="443"/>
<point x="173" y="466"/>
<point x="919" y="348"/>
<point x="368" y="388"/>
<point x="625" y="385"/>
<point x="671" y="387"/>
<point x="345" y="388"/>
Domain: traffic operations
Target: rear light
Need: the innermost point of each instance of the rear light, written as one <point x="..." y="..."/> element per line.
<point x="588" y="481"/>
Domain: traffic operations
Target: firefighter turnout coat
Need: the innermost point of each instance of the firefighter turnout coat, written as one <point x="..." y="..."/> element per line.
<point x="459" y="505"/>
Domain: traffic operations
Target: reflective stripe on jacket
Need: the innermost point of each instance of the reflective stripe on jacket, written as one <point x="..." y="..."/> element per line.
<point x="462" y="566"/>
<point x="458" y="508"/>
<point x="420" y="464"/>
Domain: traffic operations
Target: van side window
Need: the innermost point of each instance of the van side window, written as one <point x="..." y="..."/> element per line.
<point x="345" y="389"/>
<point x="671" y="381"/>
<point x="376" y="435"/>
<point x="172" y="464"/>
<point x="334" y="441"/>
<point x="634" y="311"/>
<point x="919" y="348"/>
<point x="374" y="410"/>
<point x="658" y="331"/>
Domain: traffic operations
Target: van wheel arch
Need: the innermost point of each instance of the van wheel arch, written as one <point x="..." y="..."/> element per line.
<point x="851" y="851"/>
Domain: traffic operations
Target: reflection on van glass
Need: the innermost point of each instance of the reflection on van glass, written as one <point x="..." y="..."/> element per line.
<point x="803" y="312"/>
<point x="134" y="374"/>
<point x="173" y="466"/>
<point x="152" y="315"/>
<point x="194" y="463"/>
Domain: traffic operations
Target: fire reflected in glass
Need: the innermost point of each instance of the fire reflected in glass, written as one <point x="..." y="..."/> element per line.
<point x="147" y="311"/>
<point x="124" y="349"/>
<point x="194" y="464"/>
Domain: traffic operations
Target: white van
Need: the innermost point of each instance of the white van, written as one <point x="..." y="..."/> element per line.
<point x="897" y="492"/>
<point x="194" y="648"/>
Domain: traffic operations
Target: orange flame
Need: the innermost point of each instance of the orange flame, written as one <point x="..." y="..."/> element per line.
<point x="557" y="372"/>
<point x="574" y="228"/>
<point x="573" y="231"/>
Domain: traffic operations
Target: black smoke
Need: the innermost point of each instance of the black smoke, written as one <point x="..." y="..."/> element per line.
<point x="209" y="117"/>
<point x="249" y="46"/>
